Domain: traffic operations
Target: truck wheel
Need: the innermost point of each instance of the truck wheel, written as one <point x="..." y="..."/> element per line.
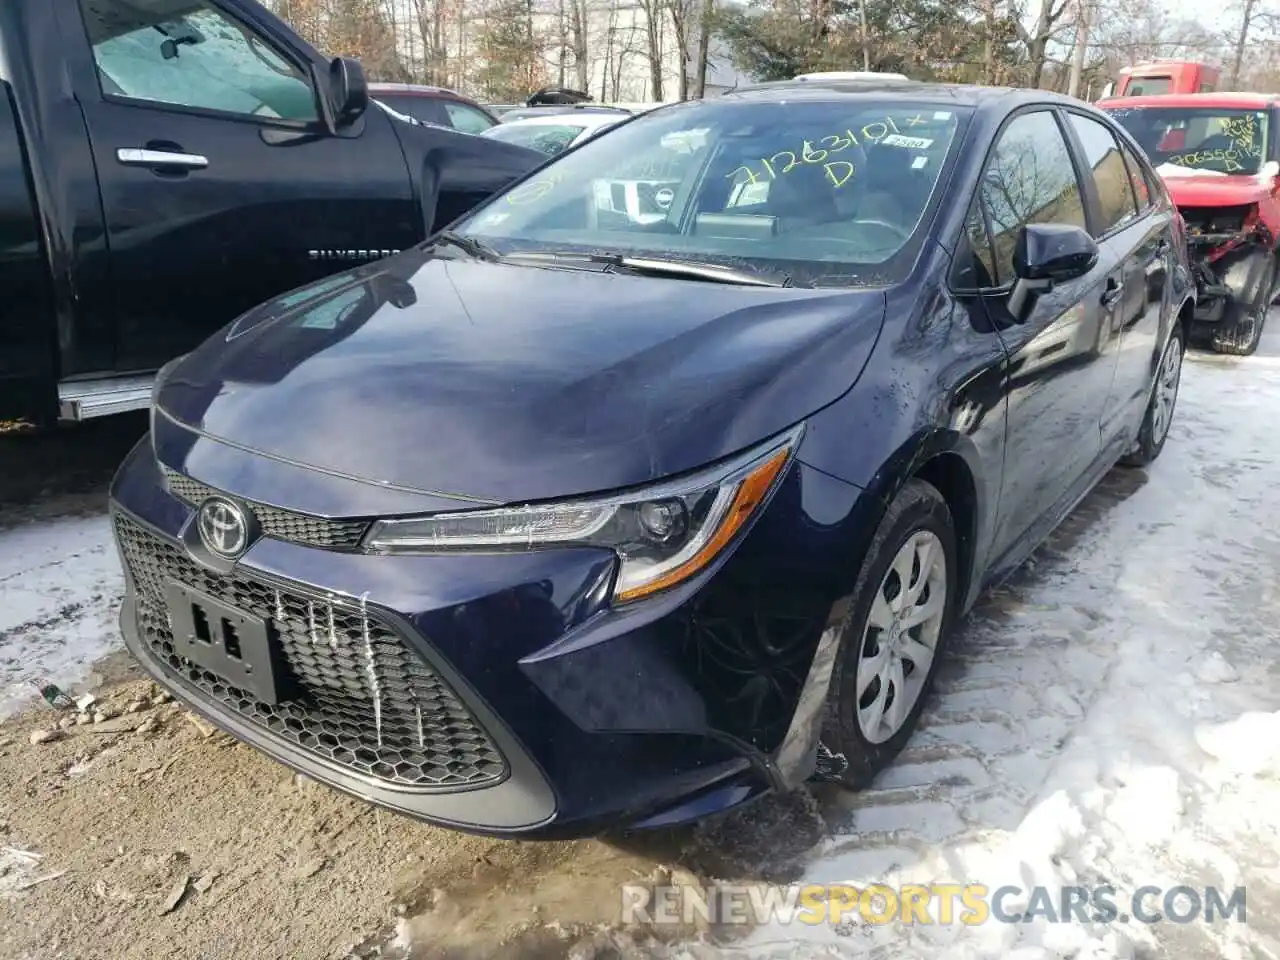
<point x="903" y="606"/>
<point x="1239" y="336"/>
<point x="1164" y="397"/>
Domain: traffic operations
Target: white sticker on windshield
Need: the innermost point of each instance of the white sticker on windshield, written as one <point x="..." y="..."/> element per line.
<point x="919" y="163"/>
<point x="942" y="115"/>
<point x="911" y="143"/>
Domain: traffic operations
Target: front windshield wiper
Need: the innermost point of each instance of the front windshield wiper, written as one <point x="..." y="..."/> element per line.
<point x="468" y="245"/>
<point x="662" y="267"/>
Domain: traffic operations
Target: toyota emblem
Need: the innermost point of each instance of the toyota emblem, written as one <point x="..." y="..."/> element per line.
<point x="224" y="527"/>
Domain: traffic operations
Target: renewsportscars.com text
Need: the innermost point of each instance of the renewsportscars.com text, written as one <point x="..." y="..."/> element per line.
<point x="940" y="903"/>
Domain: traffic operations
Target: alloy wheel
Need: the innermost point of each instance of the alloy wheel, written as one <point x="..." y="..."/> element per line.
<point x="1167" y="382"/>
<point x="901" y="635"/>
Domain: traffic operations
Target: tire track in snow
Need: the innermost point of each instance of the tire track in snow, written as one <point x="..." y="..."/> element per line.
<point x="1019" y="675"/>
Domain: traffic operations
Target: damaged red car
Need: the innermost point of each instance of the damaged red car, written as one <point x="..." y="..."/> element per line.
<point x="1217" y="155"/>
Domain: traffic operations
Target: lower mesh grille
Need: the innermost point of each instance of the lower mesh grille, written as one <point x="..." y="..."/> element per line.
<point x="281" y="524"/>
<point x="363" y="699"/>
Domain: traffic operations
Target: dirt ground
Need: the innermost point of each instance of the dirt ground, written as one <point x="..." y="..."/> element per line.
<point x="149" y="834"/>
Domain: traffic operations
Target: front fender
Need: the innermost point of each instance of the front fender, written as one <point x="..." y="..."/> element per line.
<point x="930" y="404"/>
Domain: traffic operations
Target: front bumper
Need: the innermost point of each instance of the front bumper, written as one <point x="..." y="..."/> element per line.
<point x="496" y="694"/>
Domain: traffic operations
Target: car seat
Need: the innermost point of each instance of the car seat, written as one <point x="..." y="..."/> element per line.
<point x="801" y="196"/>
<point x="1173" y="141"/>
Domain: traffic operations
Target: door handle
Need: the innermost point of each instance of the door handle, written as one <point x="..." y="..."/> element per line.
<point x="139" y="157"/>
<point x="1115" y="289"/>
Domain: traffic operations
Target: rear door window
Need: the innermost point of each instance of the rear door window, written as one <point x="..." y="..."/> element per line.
<point x="1143" y="189"/>
<point x="1110" y="175"/>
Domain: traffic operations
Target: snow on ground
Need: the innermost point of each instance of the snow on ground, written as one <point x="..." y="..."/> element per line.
<point x="61" y="585"/>
<point x="1111" y="718"/>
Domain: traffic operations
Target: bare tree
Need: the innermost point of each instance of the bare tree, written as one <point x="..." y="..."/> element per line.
<point x="684" y="17"/>
<point x="705" y="27"/>
<point x="580" y="16"/>
<point x="1036" y="40"/>
<point x="1242" y="37"/>
<point x="1080" y="47"/>
<point x="654" y="14"/>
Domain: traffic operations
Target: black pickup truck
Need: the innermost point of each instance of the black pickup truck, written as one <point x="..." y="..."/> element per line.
<point x="167" y="164"/>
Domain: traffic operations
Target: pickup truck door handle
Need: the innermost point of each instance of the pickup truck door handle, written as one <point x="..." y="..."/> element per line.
<point x="135" y="157"/>
<point x="1113" y="292"/>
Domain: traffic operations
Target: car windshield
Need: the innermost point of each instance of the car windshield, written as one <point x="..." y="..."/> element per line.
<point x="548" y="138"/>
<point x="829" y="192"/>
<point x="1200" y="138"/>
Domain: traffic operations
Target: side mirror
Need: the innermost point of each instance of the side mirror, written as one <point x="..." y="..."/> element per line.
<point x="348" y="91"/>
<point x="1047" y="254"/>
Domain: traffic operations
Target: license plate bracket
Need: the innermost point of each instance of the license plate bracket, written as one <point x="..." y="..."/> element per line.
<point x="233" y="645"/>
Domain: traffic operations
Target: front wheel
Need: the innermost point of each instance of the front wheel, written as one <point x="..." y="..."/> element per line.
<point x="1239" y="336"/>
<point x="903" y="604"/>
<point x="1159" y="415"/>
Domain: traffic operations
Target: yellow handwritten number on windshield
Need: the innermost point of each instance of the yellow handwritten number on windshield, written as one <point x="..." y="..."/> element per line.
<point x="534" y="190"/>
<point x="1229" y="159"/>
<point x="819" y="151"/>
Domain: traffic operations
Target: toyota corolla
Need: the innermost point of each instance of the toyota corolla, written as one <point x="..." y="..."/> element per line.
<point x="577" y="516"/>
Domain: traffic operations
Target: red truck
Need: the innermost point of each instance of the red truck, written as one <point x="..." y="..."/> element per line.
<point x="1164" y="77"/>
<point x="1219" y="158"/>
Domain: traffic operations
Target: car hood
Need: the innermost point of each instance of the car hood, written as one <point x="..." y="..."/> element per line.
<point x="1190" y="188"/>
<point x="509" y="383"/>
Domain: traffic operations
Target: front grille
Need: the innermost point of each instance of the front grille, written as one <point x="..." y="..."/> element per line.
<point x="363" y="699"/>
<point x="281" y="524"/>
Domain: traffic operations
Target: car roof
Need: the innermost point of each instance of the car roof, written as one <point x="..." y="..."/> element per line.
<point x="1239" y="100"/>
<point x="907" y="91"/>
<point x="563" y="119"/>
<point x="563" y="110"/>
<point x="415" y="90"/>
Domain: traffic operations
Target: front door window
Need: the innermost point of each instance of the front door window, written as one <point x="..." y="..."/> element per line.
<point x="202" y="60"/>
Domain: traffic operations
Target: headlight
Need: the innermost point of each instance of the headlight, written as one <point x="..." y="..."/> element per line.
<point x="663" y="535"/>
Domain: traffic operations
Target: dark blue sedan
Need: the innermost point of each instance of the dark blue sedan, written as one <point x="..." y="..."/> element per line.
<point x="661" y="480"/>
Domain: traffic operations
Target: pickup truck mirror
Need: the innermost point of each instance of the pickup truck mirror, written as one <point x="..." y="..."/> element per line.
<point x="1046" y="254"/>
<point x="348" y="91"/>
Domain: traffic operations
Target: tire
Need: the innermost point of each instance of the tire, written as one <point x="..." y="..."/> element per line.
<point x="1239" y="337"/>
<point x="853" y="748"/>
<point x="1160" y="407"/>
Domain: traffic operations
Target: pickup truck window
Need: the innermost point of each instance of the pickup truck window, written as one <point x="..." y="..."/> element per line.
<point x="202" y="59"/>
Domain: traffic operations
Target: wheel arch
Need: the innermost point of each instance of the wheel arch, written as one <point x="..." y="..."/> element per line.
<point x="949" y="461"/>
<point x="950" y="474"/>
